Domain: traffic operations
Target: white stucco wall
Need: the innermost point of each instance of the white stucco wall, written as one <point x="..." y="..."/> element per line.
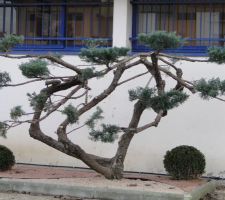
<point x="196" y="122"/>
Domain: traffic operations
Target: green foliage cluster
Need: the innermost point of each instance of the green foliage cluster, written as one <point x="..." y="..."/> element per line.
<point x="161" y="40"/>
<point x="56" y="55"/>
<point x="97" y="115"/>
<point x="95" y="43"/>
<point x="168" y="100"/>
<point x="4" y="78"/>
<point x="16" y="112"/>
<point x="3" y="129"/>
<point x="88" y="73"/>
<point x="211" y="88"/>
<point x="143" y="94"/>
<point x="217" y="54"/>
<point x="108" y="134"/>
<point x="7" y="159"/>
<point x="37" y="100"/>
<point x="10" y="41"/>
<point x="151" y="99"/>
<point x="34" y="68"/>
<point x="71" y="113"/>
<point x="184" y="162"/>
<point x="103" y="56"/>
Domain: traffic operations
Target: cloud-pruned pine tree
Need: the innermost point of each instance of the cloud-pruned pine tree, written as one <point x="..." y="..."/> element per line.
<point x="68" y="95"/>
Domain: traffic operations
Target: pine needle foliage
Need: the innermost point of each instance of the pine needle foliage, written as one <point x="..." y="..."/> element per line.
<point x="103" y="56"/>
<point x="71" y="112"/>
<point x="211" y="88"/>
<point x="93" y="43"/>
<point x="16" y="112"/>
<point x="161" y="40"/>
<point x="168" y="100"/>
<point x="37" y="100"/>
<point x="217" y="55"/>
<point x="107" y="134"/>
<point x="4" y="78"/>
<point x="56" y="55"/>
<point x="10" y="41"/>
<point x="88" y="73"/>
<point x="34" y="69"/>
<point x="3" y="129"/>
<point x="96" y="116"/>
<point x="150" y="98"/>
<point x="143" y="94"/>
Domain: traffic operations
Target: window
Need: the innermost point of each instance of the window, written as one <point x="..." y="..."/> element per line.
<point x="202" y="24"/>
<point x="57" y="24"/>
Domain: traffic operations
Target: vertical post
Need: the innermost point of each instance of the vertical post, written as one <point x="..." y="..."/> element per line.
<point x="63" y="24"/>
<point x="4" y="17"/>
<point x="11" y="20"/>
<point x="122" y="23"/>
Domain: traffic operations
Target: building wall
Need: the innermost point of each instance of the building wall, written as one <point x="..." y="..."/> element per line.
<point x="196" y="122"/>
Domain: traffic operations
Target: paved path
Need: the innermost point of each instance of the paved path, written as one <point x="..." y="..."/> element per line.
<point x="16" y="196"/>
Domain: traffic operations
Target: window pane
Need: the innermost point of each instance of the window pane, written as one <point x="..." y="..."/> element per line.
<point x="85" y="22"/>
<point x="202" y="25"/>
<point x="52" y="23"/>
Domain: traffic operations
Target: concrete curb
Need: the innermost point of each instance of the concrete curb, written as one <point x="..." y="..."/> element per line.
<point x="201" y="191"/>
<point x="105" y="193"/>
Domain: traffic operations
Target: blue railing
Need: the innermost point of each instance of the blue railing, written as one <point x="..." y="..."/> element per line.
<point x="61" y="46"/>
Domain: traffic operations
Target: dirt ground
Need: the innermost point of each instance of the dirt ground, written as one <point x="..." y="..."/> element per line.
<point x="86" y="176"/>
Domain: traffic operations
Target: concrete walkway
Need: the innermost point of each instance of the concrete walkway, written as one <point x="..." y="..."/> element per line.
<point x="84" y="184"/>
<point x="18" y="196"/>
<point x="15" y="196"/>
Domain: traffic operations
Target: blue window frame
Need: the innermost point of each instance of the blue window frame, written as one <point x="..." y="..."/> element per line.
<point x="57" y="25"/>
<point x="202" y="23"/>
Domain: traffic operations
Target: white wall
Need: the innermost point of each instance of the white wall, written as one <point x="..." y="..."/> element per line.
<point x="198" y="123"/>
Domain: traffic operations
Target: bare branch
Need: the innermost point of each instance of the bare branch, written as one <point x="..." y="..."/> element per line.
<point x="182" y="58"/>
<point x="220" y="99"/>
<point x="154" y="123"/>
<point x="63" y="101"/>
<point x="36" y="80"/>
<point x="132" y="78"/>
<point x="48" y="57"/>
<point x="77" y="97"/>
<point x="181" y="81"/>
<point x="168" y="63"/>
<point x="117" y="75"/>
<point x="75" y="129"/>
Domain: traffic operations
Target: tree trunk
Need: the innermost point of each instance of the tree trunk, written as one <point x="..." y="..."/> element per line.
<point x="123" y="145"/>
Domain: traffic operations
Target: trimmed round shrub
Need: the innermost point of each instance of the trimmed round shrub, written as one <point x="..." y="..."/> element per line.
<point x="184" y="162"/>
<point x="7" y="159"/>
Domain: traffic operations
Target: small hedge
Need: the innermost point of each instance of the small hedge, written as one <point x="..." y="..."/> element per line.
<point x="7" y="159"/>
<point x="184" y="162"/>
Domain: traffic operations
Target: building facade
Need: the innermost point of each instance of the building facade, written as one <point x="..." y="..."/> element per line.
<point x="66" y="25"/>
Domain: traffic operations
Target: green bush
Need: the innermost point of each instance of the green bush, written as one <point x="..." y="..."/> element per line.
<point x="184" y="162"/>
<point x="161" y="40"/>
<point x="7" y="159"/>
